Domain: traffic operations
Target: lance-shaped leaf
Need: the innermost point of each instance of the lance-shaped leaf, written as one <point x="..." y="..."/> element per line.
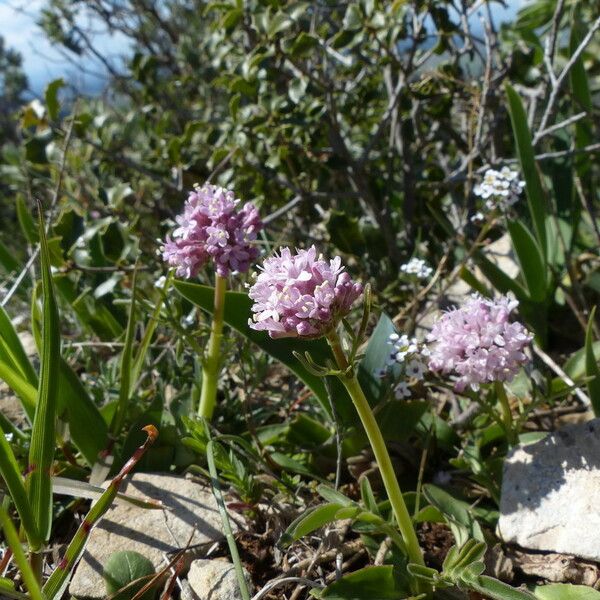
<point x="9" y="469"/>
<point x="533" y="185"/>
<point x="530" y="260"/>
<point x="41" y="452"/>
<point x="238" y="311"/>
<point x="87" y="427"/>
<point x="55" y="586"/>
<point x="126" y="367"/>
<point x="12" y="347"/>
<point x="14" y="543"/>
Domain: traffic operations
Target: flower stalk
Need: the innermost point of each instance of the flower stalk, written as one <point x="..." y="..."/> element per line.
<point x="506" y="413"/>
<point x="212" y="359"/>
<point x="403" y="518"/>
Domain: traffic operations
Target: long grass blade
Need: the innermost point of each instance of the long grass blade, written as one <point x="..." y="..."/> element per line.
<point x="233" y="551"/>
<point x="55" y="586"/>
<point x="41" y="453"/>
<point x="12" y="538"/>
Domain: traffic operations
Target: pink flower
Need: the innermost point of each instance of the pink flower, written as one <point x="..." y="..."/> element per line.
<point x="478" y="343"/>
<point x="212" y="227"/>
<point x="301" y="294"/>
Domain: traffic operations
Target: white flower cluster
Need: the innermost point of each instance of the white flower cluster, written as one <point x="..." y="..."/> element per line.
<point x="409" y="354"/>
<point x="500" y="189"/>
<point x="417" y="267"/>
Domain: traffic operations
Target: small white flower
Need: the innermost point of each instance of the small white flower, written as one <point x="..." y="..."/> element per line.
<point x="160" y="282"/>
<point x="402" y="391"/>
<point x="415" y="368"/>
<point x="417" y="267"/>
<point x="500" y="189"/>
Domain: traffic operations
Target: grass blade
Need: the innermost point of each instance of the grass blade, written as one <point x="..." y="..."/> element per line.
<point x="12" y="538"/>
<point x="233" y="551"/>
<point x="535" y="194"/>
<point x="591" y="366"/>
<point x="41" y="452"/>
<point x="54" y="587"/>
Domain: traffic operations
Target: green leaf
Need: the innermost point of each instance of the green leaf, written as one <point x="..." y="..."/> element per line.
<point x="11" y="473"/>
<point x="8" y="262"/>
<point x="375" y="359"/>
<point x="370" y="583"/>
<point x="566" y="591"/>
<point x="575" y="365"/>
<point x="496" y="590"/>
<point x="582" y="97"/>
<point x="21" y="387"/>
<point x="123" y="569"/>
<point x="458" y="514"/>
<point x="591" y="366"/>
<point x="13" y="347"/>
<point x="51" y="96"/>
<point x="26" y="222"/>
<point x="41" y="453"/>
<point x="535" y="194"/>
<point x="88" y="429"/>
<point x="353" y="18"/>
<point x="125" y="369"/>
<point x="14" y="543"/>
<point x="237" y="313"/>
<point x="311" y="520"/>
<point x="530" y="258"/>
<point x="303" y="43"/>
<point x="498" y="278"/>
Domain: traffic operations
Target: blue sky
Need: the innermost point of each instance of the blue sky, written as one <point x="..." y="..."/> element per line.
<point x="42" y="62"/>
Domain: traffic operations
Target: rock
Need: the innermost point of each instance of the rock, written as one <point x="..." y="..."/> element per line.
<point x="550" y="493"/>
<point x="215" y="580"/>
<point x="153" y="533"/>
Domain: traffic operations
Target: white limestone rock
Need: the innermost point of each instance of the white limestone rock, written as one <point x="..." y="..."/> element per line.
<point x="550" y="493"/>
<point x="215" y="580"/>
<point x="152" y="533"/>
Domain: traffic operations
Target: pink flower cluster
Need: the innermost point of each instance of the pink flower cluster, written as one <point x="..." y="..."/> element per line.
<point x="478" y="343"/>
<point x="212" y="227"/>
<point x="301" y="294"/>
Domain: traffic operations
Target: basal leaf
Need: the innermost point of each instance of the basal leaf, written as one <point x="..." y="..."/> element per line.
<point x="530" y="259"/>
<point x="535" y="194"/>
<point x="41" y="453"/>
<point x="237" y="313"/>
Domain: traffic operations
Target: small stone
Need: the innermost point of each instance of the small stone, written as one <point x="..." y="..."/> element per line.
<point x="215" y="580"/>
<point x="155" y="534"/>
<point x="550" y="492"/>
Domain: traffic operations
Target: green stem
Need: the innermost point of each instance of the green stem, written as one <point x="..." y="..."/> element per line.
<point x="507" y="420"/>
<point x="212" y="358"/>
<point x="382" y="456"/>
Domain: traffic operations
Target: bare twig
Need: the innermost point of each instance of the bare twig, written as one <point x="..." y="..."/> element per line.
<point x="557" y="83"/>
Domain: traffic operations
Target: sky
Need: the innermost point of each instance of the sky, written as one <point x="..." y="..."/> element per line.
<point x="41" y="61"/>
<point x="44" y="63"/>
